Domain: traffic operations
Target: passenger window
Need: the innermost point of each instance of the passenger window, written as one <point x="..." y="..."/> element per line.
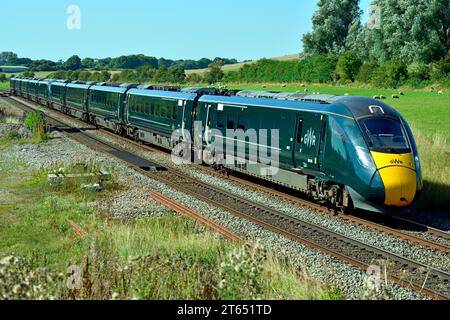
<point x="220" y="120"/>
<point x="152" y="108"/>
<point x="299" y="130"/>
<point x="231" y="121"/>
<point x="163" y="111"/>
<point x="242" y="122"/>
<point x="174" y="113"/>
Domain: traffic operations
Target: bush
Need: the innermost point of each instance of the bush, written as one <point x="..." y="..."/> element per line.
<point x="35" y="121"/>
<point x="418" y="72"/>
<point x="214" y="74"/>
<point x="194" y="78"/>
<point x="240" y="273"/>
<point x="366" y="71"/>
<point x="28" y="74"/>
<point x="318" y="68"/>
<point x="20" y="280"/>
<point x="348" y="66"/>
<point x="389" y="75"/>
<point x="440" y="69"/>
<point x="2" y="77"/>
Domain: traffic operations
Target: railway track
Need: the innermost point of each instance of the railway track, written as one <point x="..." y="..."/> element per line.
<point x="404" y="271"/>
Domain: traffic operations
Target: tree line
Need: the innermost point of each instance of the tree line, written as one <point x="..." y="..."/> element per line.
<point x="123" y="62"/>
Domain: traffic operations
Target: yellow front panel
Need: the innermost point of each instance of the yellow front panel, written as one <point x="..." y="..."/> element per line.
<point x="383" y="160"/>
<point x="399" y="177"/>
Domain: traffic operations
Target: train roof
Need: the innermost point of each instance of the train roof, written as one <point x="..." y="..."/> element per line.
<point x="346" y="106"/>
<point x="109" y="89"/>
<point x="277" y="104"/>
<point x="163" y="94"/>
<point x="78" y="85"/>
<point x="365" y="106"/>
<point x="59" y="83"/>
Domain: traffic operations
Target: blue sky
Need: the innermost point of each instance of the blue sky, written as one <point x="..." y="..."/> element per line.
<point x="176" y="29"/>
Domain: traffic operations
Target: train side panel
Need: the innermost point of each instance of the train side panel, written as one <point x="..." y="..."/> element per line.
<point x="58" y="95"/>
<point x="153" y="116"/>
<point x="106" y="107"/>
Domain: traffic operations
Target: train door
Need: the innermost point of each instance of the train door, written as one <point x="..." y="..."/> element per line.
<point x="306" y="149"/>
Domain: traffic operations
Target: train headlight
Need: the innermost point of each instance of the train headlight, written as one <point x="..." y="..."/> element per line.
<point x="417" y="163"/>
<point x="365" y="158"/>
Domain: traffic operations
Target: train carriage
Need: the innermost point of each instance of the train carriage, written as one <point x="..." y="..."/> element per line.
<point x="152" y="115"/>
<point x="58" y="94"/>
<point x="43" y="91"/>
<point x="77" y="100"/>
<point x="19" y="85"/>
<point x="24" y="87"/>
<point x="106" y="106"/>
<point x="32" y="89"/>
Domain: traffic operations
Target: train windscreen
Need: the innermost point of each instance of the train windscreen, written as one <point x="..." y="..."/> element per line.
<point x="385" y="135"/>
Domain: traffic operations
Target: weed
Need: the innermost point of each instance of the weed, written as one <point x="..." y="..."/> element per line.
<point x="36" y="122"/>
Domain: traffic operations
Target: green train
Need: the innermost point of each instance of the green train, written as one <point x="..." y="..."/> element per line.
<point x="348" y="152"/>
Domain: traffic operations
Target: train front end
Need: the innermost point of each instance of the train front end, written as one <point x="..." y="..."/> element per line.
<point x="397" y="162"/>
<point x="393" y="149"/>
<point x="389" y="175"/>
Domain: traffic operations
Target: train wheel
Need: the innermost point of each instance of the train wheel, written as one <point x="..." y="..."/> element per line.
<point x="136" y="135"/>
<point x="119" y="130"/>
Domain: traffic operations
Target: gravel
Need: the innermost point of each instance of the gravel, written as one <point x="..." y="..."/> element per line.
<point x="133" y="201"/>
<point x="18" y="130"/>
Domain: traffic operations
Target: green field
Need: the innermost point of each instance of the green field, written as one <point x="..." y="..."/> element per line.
<point x="237" y="66"/>
<point x="428" y="112"/>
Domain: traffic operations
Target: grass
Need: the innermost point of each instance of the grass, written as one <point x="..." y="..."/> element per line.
<point x="5" y="85"/>
<point x="160" y="258"/>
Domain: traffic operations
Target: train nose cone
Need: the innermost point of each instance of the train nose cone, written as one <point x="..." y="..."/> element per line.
<point x="400" y="185"/>
<point x="398" y="174"/>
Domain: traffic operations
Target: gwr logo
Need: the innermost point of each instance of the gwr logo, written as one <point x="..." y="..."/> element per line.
<point x="396" y="161"/>
<point x="310" y="138"/>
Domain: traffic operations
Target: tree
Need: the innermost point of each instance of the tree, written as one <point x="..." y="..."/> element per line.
<point x="411" y="31"/>
<point x="331" y="24"/>
<point x="214" y="74"/>
<point x="194" y="78"/>
<point x="73" y="63"/>
<point x="88" y="63"/>
<point x="6" y="57"/>
<point x="437" y="18"/>
<point x="348" y="66"/>
<point x="28" y="74"/>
